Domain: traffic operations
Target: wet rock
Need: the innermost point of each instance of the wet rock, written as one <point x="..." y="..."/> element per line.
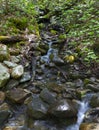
<point x="70" y="85"/>
<point x="95" y="100"/>
<point x="4" y="113"/>
<point x="17" y="95"/>
<point x="15" y="59"/>
<point x="37" y="108"/>
<point x="2" y="97"/>
<point x="89" y="126"/>
<point x="58" y="61"/>
<point x="44" y="46"/>
<point x="63" y="109"/>
<point x="92" y="115"/>
<point x="79" y="83"/>
<point x="39" y="71"/>
<point x="26" y="77"/>
<point x="10" y="64"/>
<point x="88" y="81"/>
<point x="4" y="52"/>
<point x="17" y="72"/>
<point x="4" y="75"/>
<point x="11" y="84"/>
<point x="42" y="50"/>
<point x="14" y="51"/>
<point x="43" y="125"/>
<point x="80" y="93"/>
<point x="17" y="123"/>
<point x="54" y="86"/>
<point x="93" y="87"/>
<point x="47" y="96"/>
<point x="75" y="75"/>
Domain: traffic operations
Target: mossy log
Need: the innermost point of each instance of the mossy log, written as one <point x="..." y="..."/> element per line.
<point x="11" y="39"/>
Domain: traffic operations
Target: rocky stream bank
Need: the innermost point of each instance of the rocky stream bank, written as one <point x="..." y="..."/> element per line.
<point x="40" y="90"/>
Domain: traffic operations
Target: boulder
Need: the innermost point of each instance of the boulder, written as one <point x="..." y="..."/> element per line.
<point x="17" y="95"/>
<point x="63" y="109"/>
<point x="4" y="52"/>
<point x="17" y="72"/>
<point x="37" y="108"/>
<point x="4" y="75"/>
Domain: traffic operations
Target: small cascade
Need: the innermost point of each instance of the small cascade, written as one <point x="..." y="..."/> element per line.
<point x="84" y="106"/>
<point x="50" y="51"/>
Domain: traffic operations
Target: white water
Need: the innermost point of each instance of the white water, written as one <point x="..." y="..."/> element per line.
<point x="46" y="57"/>
<point x="84" y="106"/>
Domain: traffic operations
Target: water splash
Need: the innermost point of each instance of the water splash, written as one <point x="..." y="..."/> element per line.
<point x="84" y="106"/>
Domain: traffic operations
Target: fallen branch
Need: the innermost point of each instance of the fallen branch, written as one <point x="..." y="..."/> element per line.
<point x="12" y="39"/>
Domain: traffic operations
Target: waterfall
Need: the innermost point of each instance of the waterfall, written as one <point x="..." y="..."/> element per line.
<point x="50" y="51"/>
<point x="84" y="106"/>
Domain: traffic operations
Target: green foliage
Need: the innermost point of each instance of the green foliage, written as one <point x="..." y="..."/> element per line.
<point x="78" y="19"/>
<point x="18" y="23"/>
<point x="80" y="22"/>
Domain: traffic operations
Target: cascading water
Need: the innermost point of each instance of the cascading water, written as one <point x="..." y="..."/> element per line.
<point x="84" y="106"/>
<point x="50" y="51"/>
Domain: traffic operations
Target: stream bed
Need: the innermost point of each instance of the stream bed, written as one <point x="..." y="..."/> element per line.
<point x="45" y="92"/>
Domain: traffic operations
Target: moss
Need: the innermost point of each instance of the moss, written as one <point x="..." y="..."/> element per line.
<point x="20" y="44"/>
<point x="19" y="23"/>
<point x="62" y="36"/>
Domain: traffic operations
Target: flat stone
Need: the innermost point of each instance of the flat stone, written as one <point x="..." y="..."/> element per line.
<point x="17" y="95"/>
<point x="4" y="52"/>
<point x="10" y="64"/>
<point x="4" y="113"/>
<point x="17" y="72"/>
<point x="26" y="77"/>
<point x="93" y="87"/>
<point x="2" y="97"/>
<point x="4" y="75"/>
<point x="55" y="87"/>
